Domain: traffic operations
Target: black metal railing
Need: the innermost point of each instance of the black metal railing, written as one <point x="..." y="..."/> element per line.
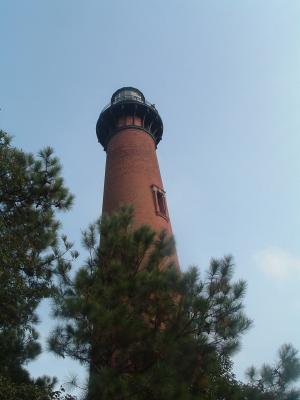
<point x="129" y="98"/>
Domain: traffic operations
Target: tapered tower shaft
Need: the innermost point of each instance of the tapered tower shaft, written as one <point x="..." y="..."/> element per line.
<point x="129" y="129"/>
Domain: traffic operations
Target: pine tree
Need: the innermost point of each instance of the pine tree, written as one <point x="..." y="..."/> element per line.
<point x="144" y="330"/>
<point x="31" y="190"/>
<point x="275" y="382"/>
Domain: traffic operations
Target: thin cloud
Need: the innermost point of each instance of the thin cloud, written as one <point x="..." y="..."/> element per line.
<point x="278" y="263"/>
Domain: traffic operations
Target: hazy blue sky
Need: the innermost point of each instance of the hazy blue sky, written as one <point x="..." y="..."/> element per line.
<point x="225" y="77"/>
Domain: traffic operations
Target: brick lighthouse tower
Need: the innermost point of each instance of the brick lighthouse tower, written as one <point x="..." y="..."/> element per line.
<point x="129" y="129"/>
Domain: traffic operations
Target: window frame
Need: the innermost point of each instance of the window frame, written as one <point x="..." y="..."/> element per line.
<point x="157" y="191"/>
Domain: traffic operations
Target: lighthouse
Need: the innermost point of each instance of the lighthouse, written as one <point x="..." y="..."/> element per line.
<point x="129" y="129"/>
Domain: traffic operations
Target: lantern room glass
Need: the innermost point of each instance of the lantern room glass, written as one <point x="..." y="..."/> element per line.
<point x="127" y="94"/>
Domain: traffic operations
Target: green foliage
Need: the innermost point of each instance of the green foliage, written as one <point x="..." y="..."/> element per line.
<point x="41" y="389"/>
<point x="145" y="330"/>
<point x="31" y="190"/>
<point x="275" y="382"/>
<point x="9" y="390"/>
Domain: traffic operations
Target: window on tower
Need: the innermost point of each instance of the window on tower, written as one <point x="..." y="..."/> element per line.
<point x="160" y="201"/>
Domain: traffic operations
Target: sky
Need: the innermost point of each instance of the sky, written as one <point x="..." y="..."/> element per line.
<point x="225" y="78"/>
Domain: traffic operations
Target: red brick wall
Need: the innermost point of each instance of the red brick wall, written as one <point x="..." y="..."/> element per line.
<point x="131" y="169"/>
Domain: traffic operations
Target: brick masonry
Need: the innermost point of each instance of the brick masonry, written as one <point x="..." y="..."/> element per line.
<point x="131" y="170"/>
